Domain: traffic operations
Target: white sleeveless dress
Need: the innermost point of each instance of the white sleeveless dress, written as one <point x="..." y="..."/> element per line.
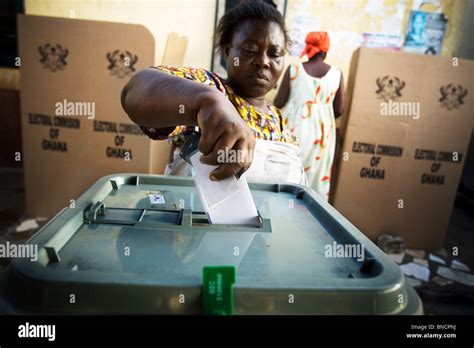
<point x="309" y="115"/>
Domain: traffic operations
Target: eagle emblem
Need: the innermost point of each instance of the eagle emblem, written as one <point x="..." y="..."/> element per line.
<point x="121" y="63"/>
<point x="389" y="88"/>
<point x="452" y="96"/>
<point x="53" y="57"/>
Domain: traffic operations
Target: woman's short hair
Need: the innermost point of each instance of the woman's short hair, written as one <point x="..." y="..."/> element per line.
<point x="248" y="10"/>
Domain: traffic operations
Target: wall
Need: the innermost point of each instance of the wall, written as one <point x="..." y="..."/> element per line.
<point x="347" y="20"/>
<point x="193" y="18"/>
<point x="466" y="44"/>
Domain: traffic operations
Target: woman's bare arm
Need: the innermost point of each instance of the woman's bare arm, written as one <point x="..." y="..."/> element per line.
<point x="155" y="99"/>
<point x="338" y="103"/>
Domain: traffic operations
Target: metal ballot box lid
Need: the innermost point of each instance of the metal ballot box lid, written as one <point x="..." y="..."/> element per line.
<point x="137" y="244"/>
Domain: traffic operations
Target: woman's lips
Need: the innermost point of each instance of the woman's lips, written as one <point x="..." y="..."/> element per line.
<point x="260" y="79"/>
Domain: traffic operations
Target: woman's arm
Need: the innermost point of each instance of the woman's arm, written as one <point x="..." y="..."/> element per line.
<point x="338" y="102"/>
<point x="155" y="99"/>
<point x="284" y="92"/>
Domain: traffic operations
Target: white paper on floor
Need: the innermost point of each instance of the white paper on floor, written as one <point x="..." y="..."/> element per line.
<point x="456" y="264"/>
<point x="422" y="262"/>
<point x="416" y="253"/>
<point x="436" y="259"/>
<point x="416" y="270"/>
<point x="457" y="276"/>
<point x="27" y="225"/>
<point x="397" y="258"/>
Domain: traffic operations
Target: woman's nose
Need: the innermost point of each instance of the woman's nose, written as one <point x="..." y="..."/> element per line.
<point x="262" y="60"/>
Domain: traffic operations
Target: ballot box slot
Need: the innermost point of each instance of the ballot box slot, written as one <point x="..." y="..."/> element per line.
<point x="99" y="214"/>
<point x="162" y="218"/>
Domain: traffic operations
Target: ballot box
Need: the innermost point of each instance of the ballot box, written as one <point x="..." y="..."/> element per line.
<point x="141" y="244"/>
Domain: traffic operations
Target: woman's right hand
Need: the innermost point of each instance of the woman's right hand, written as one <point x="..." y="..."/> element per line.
<point x="223" y="131"/>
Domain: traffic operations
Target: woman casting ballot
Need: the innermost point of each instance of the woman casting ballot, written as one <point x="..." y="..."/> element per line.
<point x="232" y="113"/>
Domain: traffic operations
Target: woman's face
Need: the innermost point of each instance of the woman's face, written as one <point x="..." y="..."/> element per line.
<point x="255" y="58"/>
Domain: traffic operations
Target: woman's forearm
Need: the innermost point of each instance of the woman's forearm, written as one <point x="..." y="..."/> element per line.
<point x="155" y="99"/>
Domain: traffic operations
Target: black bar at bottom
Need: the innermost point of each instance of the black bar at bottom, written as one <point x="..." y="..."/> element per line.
<point x="287" y="330"/>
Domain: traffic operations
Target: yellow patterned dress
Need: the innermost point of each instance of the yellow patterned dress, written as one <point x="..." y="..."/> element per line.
<point x="265" y="126"/>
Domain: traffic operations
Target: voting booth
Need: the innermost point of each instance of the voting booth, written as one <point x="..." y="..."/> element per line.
<point x="73" y="126"/>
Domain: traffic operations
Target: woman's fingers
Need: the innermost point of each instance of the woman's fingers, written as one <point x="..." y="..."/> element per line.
<point x="244" y="150"/>
<point x="225" y="156"/>
<point x="221" y="151"/>
<point x="235" y="161"/>
<point x="226" y="140"/>
<point x="225" y="171"/>
<point x="210" y="134"/>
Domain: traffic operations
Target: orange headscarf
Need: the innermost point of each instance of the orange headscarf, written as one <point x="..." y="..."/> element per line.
<point x="316" y="41"/>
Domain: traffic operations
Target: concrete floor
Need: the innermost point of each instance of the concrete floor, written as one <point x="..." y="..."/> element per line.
<point x="449" y="299"/>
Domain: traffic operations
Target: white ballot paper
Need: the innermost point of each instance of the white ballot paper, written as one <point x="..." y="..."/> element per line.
<point x="227" y="201"/>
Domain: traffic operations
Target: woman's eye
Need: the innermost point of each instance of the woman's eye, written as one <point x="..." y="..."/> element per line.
<point x="250" y="50"/>
<point x="275" y="54"/>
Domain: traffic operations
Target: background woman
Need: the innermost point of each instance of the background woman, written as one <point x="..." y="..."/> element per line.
<point x="312" y="94"/>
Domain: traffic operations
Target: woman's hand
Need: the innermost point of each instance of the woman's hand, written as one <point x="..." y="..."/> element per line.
<point x="154" y="99"/>
<point x="226" y="140"/>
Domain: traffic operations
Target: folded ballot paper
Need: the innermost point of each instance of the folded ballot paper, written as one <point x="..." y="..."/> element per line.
<point x="227" y="201"/>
